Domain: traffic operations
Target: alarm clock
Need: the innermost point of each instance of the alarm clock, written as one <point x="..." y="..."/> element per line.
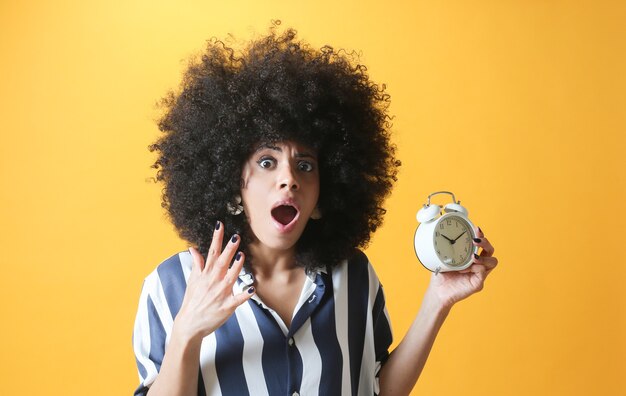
<point x="443" y="242"/>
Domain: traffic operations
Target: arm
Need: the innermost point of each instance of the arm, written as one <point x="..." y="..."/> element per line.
<point x="179" y="373"/>
<point x="401" y="371"/>
<point x="208" y="302"/>
<point x="404" y="366"/>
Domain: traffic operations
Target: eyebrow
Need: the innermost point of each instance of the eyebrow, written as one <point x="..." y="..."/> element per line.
<point x="276" y="148"/>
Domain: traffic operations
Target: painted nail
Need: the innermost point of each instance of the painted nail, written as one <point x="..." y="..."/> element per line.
<point x="234" y="238"/>
<point x="477" y="240"/>
<point x="217" y="225"/>
<point x="476" y="256"/>
<point x="238" y="256"/>
<point x="479" y="230"/>
<point x="251" y="290"/>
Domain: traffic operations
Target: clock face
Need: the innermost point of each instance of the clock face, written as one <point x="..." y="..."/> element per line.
<point x="453" y="241"/>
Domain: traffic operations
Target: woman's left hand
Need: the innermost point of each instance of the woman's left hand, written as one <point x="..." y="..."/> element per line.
<point x="452" y="287"/>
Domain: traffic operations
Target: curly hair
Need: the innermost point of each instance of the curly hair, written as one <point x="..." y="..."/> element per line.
<point x="277" y="89"/>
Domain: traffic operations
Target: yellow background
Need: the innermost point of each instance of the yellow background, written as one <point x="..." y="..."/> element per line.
<point x="518" y="107"/>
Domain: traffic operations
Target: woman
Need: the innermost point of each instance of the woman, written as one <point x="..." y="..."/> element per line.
<point x="276" y="162"/>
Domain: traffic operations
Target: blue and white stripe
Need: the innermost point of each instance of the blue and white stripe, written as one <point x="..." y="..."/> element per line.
<point x="338" y="340"/>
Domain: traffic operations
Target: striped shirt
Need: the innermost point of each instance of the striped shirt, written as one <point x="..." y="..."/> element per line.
<point x="339" y="336"/>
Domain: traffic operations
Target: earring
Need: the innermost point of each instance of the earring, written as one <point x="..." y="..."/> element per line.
<point x="316" y="214"/>
<point x="235" y="209"/>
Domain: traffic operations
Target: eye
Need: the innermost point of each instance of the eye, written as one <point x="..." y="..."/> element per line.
<point x="305" y="166"/>
<point x="266" y="162"/>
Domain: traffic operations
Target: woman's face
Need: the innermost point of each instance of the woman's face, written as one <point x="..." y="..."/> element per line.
<point x="280" y="189"/>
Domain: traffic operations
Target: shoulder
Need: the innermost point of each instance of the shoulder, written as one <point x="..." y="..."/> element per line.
<point x="173" y="271"/>
<point x="358" y="258"/>
<point x="358" y="269"/>
<point x="358" y="263"/>
<point x="355" y="260"/>
<point x="164" y="288"/>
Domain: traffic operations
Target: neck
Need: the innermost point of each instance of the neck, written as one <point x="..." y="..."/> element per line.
<point x="268" y="262"/>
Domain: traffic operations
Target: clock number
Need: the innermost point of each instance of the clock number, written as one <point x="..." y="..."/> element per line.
<point x="441" y="225"/>
<point x="449" y="222"/>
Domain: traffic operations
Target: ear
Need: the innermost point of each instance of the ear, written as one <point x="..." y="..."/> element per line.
<point x="316" y="214"/>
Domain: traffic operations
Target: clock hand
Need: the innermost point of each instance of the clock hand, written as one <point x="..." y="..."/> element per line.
<point x="451" y="241"/>
<point x="459" y="236"/>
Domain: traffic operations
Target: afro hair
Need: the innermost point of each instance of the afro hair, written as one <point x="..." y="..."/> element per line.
<point x="276" y="89"/>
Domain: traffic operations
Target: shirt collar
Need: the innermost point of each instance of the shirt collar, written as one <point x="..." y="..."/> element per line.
<point x="246" y="278"/>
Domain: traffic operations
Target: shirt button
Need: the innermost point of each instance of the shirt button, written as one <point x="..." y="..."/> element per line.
<point x="295" y="394"/>
<point x="291" y="344"/>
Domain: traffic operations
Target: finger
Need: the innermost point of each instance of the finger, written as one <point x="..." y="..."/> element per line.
<point x="486" y="245"/>
<point x="479" y="233"/>
<point x="238" y="299"/>
<point x="488" y="261"/>
<point x="491" y="264"/>
<point x="471" y="269"/>
<point x="216" y="246"/>
<point x="233" y="272"/>
<point x="222" y="264"/>
<point x="478" y="269"/>
<point x="198" y="260"/>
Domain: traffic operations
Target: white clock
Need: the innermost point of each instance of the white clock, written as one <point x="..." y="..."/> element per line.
<point x="443" y="242"/>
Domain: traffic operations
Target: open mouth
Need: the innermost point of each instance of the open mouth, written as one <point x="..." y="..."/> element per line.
<point x="284" y="214"/>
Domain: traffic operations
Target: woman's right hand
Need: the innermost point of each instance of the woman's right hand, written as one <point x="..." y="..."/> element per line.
<point x="209" y="299"/>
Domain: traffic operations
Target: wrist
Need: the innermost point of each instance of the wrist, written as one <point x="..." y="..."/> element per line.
<point x="437" y="303"/>
<point x="184" y="334"/>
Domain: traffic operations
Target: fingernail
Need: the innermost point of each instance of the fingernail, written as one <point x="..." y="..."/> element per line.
<point x="476" y="256"/>
<point x="479" y="230"/>
<point x="477" y="240"/>
<point x="251" y="290"/>
<point x="238" y="256"/>
<point x="217" y="225"/>
<point x="234" y="239"/>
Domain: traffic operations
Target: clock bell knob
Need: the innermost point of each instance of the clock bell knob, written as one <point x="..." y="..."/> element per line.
<point x="428" y="213"/>
<point x="455" y="207"/>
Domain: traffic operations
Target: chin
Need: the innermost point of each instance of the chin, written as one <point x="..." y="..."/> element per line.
<point x="279" y="241"/>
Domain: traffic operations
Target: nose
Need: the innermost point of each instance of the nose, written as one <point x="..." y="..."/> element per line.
<point x="287" y="178"/>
